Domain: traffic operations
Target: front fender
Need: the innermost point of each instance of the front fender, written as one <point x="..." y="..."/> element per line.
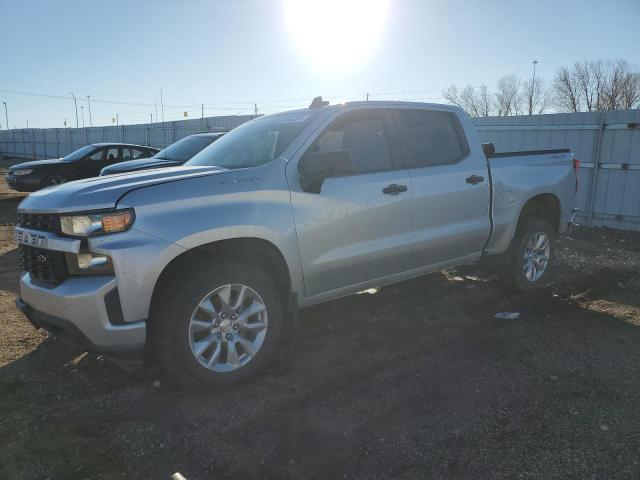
<point x="250" y="203"/>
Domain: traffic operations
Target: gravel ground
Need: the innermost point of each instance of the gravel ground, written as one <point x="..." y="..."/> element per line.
<point x="415" y="381"/>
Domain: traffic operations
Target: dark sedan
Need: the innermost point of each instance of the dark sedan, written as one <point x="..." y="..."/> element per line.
<point x="84" y="163"/>
<point x="172" y="156"/>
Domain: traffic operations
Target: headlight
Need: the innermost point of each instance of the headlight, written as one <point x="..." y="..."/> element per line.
<point x="98" y="223"/>
<point x="24" y="171"/>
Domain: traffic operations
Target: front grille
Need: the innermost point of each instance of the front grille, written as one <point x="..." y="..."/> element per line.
<point x="46" y="266"/>
<point x="47" y="222"/>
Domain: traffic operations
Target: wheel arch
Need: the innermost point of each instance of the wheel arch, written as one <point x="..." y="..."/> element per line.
<point x="546" y="206"/>
<point x="249" y="250"/>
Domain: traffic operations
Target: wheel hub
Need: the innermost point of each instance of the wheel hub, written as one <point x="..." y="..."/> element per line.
<point x="225" y="325"/>
<point x="228" y="327"/>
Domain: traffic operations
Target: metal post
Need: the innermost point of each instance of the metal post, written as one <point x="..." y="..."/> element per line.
<point x="161" y="105"/>
<point x="75" y="102"/>
<point x="202" y="127"/>
<point x="44" y="143"/>
<point x="82" y="111"/>
<point x="533" y="83"/>
<point x="89" y="104"/>
<point x="596" y="167"/>
<point x="6" y="115"/>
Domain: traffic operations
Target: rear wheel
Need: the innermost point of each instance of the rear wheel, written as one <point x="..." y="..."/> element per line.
<point x="53" y="180"/>
<point x="218" y="327"/>
<point x="532" y="255"/>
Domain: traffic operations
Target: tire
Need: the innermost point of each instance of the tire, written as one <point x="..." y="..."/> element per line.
<point x="179" y="332"/>
<point x="53" y="180"/>
<point x="529" y="265"/>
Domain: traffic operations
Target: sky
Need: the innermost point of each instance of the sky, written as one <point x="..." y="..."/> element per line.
<point x="279" y="54"/>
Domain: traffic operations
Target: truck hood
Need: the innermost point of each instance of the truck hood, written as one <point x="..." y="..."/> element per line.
<point x="35" y="163"/>
<point x="104" y="192"/>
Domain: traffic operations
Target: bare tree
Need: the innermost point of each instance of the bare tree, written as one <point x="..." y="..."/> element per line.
<point x="597" y="85"/>
<point x="621" y="88"/>
<point x="452" y="95"/>
<point x="476" y="101"/>
<point x="508" y="98"/>
<point x="567" y="90"/>
<point x="535" y="95"/>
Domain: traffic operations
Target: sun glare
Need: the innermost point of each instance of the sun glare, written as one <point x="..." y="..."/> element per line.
<point x="335" y="34"/>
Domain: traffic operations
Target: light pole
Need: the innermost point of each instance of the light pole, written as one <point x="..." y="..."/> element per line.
<point x="533" y="86"/>
<point x="6" y="115"/>
<point x="82" y="111"/>
<point x="75" y="102"/>
<point x="89" y="103"/>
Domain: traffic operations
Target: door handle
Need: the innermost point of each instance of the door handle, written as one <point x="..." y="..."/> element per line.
<point x="394" y="189"/>
<point x="475" y="179"/>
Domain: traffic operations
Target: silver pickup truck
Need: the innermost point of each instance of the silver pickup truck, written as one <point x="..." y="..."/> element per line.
<point x="207" y="264"/>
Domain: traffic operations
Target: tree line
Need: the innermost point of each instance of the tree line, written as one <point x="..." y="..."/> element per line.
<point x="587" y="86"/>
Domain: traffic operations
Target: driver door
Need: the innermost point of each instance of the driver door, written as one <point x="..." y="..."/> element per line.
<point x="358" y="227"/>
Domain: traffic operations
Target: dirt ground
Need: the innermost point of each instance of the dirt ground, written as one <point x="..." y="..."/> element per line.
<point x="418" y="380"/>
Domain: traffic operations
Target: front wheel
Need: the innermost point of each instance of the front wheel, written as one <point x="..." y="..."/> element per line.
<point x="532" y="255"/>
<point x="53" y="180"/>
<point x="218" y="326"/>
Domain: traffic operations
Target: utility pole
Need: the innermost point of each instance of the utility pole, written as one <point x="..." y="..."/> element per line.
<point x="255" y="109"/>
<point x="155" y="102"/>
<point x="161" y="106"/>
<point x="367" y="97"/>
<point x="533" y="86"/>
<point x="82" y="111"/>
<point x="6" y="115"/>
<point x="151" y="117"/>
<point x="75" y="102"/>
<point x="89" y="103"/>
<point x="117" y="120"/>
<point x="27" y="123"/>
<point x="202" y="115"/>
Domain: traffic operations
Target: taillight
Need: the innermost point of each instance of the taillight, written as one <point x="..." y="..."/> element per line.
<point x="576" y="166"/>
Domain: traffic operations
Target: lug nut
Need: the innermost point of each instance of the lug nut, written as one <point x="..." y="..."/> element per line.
<point x="223" y="315"/>
<point x="216" y="323"/>
<point x="229" y="336"/>
<point x="236" y="327"/>
<point x="234" y="316"/>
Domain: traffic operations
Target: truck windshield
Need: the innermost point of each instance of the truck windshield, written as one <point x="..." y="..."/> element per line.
<point x="256" y="142"/>
<point x="78" y="154"/>
<point x="184" y="149"/>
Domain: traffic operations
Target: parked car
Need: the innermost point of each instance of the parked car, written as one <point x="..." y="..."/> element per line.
<point x="172" y="156"/>
<point x="208" y="263"/>
<point x="83" y="163"/>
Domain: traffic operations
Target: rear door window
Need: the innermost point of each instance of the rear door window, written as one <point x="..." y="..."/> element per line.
<point x="431" y="138"/>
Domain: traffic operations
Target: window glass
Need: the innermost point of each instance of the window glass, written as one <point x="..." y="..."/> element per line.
<point x="127" y="154"/>
<point x="256" y="142"/>
<point x="79" y="154"/>
<point x="431" y="138"/>
<point x="185" y="148"/>
<point x="97" y="155"/>
<point x="135" y="153"/>
<point x="111" y="154"/>
<point x="363" y="134"/>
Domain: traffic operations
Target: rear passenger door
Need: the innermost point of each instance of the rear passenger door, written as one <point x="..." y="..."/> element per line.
<point x="451" y="188"/>
<point x="356" y="229"/>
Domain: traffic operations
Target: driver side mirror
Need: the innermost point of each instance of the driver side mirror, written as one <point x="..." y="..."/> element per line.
<point x="314" y="167"/>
